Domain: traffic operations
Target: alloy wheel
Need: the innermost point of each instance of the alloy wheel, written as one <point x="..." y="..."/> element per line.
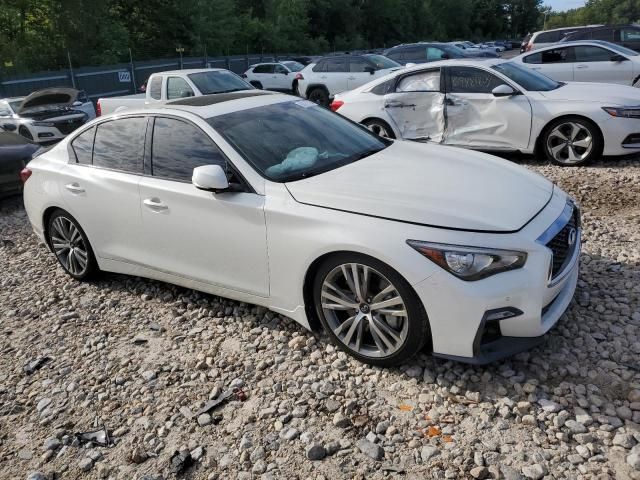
<point x="570" y="143"/>
<point x="365" y="310"/>
<point x="378" y="129"/>
<point x="69" y="246"/>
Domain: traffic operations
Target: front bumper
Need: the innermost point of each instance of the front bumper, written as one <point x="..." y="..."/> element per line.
<point x="621" y="135"/>
<point x="458" y="311"/>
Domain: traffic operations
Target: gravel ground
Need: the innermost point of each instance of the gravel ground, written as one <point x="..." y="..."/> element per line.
<point x="141" y="357"/>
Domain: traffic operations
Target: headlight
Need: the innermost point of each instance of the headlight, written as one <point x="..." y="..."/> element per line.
<point x="470" y="263"/>
<point x="44" y="124"/>
<point x="623" y="112"/>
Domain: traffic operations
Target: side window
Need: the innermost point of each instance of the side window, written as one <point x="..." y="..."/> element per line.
<point x="264" y="68"/>
<point x="359" y="65"/>
<point x="178" y="88"/>
<point x="83" y="146"/>
<point x="155" y="89"/>
<point x="178" y="147"/>
<point x="384" y="87"/>
<point x="336" y="65"/>
<point x="587" y="53"/>
<point x="557" y="55"/>
<point x="434" y="54"/>
<point x="603" y="34"/>
<point x="321" y="66"/>
<point x="534" y="58"/>
<point x="4" y="110"/>
<point x="415" y="55"/>
<point x="629" y="35"/>
<point x="420" y="82"/>
<point x="280" y="69"/>
<point x="397" y="56"/>
<point x="119" y="144"/>
<point x="472" y="80"/>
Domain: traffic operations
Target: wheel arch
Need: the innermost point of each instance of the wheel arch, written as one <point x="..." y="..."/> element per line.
<point x="313" y="86"/>
<point x="379" y="119"/>
<point x="46" y="215"/>
<point x="545" y="128"/>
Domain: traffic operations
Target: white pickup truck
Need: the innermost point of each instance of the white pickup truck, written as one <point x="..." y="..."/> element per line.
<point x="164" y="86"/>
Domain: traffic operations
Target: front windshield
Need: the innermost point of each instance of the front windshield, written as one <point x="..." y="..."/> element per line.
<point x="14" y="104"/>
<point x="528" y="79"/>
<point x="294" y="140"/>
<point x="218" y="82"/>
<point x="293" y="66"/>
<point x="453" y="51"/>
<point x="382" y="62"/>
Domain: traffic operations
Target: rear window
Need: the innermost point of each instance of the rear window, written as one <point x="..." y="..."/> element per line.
<point x="263" y="69"/>
<point x="83" y="146"/>
<point x="119" y="144"/>
<point x="320" y="66"/>
<point x="548" y="37"/>
<point x="222" y="81"/>
<point x="155" y="89"/>
<point x="336" y="65"/>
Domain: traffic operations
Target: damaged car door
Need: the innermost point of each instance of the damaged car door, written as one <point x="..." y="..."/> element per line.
<point x="480" y="116"/>
<point x="417" y="106"/>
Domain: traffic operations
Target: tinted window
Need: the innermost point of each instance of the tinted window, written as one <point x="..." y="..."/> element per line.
<point x="336" y="65"/>
<point x="434" y="54"/>
<point x="280" y="69"/>
<point x="548" y="37"/>
<point x="289" y="141"/>
<point x="526" y="78"/>
<point x="220" y="81"/>
<point x="263" y="69"/>
<point x="629" y="34"/>
<point x="155" y="89"/>
<point x="535" y="58"/>
<point x="415" y="55"/>
<point x="321" y="66"/>
<point x="178" y="88"/>
<point x="179" y="147"/>
<point x="119" y="144"/>
<point x="557" y="55"/>
<point x="83" y="146"/>
<point x="420" y="82"/>
<point x="384" y="87"/>
<point x="380" y="61"/>
<point x="472" y="80"/>
<point x="601" y="34"/>
<point x="293" y="66"/>
<point x="588" y="53"/>
<point x="396" y="56"/>
<point x="359" y="64"/>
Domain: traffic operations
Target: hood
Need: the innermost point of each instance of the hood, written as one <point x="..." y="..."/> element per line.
<point x="431" y="185"/>
<point x="58" y="97"/>
<point x="604" y="93"/>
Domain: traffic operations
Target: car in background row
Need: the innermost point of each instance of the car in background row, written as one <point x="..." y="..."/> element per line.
<point x="15" y="152"/>
<point x="425" y="52"/>
<point x="46" y="116"/>
<point x="494" y="105"/>
<point x="320" y="81"/>
<point x="278" y="76"/>
<point x="625" y="35"/>
<point x="272" y="200"/>
<point x="585" y="61"/>
<point x="544" y="38"/>
<point x="164" y="86"/>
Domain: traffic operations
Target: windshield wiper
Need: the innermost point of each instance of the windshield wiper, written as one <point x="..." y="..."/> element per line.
<point x="229" y="91"/>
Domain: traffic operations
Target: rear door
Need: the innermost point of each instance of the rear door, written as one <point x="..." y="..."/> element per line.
<point x="336" y="74"/>
<point x="593" y="64"/>
<point x="417" y="105"/>
<point x="100" y="186"/>
<point x="359" y="72"/>
<point x="282" y="80"/>
<point x="478" y="119"/>
<point x="557" y="63"/>
<point x="263" y="73"/>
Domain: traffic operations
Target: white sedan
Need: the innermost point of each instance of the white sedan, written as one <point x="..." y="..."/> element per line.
<point x="390" y="246"/>
<point x="494" y="105"/>
<point x="585" y="61"/>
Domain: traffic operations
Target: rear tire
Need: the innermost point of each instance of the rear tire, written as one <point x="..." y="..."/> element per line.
<point x="373" y="315"/>
<point x="320" y="96"/>
<point x="71" y="246"/>
<point x="24" y="131"/>
<point x="572" y="141"/>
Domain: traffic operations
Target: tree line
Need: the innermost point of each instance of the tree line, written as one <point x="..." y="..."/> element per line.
<point x="596" y="12"/>
<point x="37" y="34"/>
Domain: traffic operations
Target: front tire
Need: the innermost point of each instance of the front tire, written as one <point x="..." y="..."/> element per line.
<point x="369" y="310"/>
<point x="70" y="245"/>
<point x="379" y="127"/>
<point x="572" y="141"/>
<point x="319" y="96"/>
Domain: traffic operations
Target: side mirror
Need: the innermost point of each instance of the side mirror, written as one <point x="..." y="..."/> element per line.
<point x="371" y="70"/>
<point x="9" y="127"/>
<point x="503" y="91"/>
<point x="618" y="58"/>
<point x="210" y="178"/>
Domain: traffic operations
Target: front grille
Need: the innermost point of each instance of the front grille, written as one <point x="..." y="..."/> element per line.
<point x="68" y="126"/>
<point x="560" y="245"/>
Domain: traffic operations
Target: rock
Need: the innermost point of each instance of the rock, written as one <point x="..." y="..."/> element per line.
<point x="204" y="419"/>
<point x="633" y="458"/>
<point x="549" y="406"/>
<point x="341" y="421"/>
<point x="42" y="404"/>
<point x="52" y="443"/>
<point x="149" y="375"/>
<point x="479" y="472"/>
<point x="381" y="428"/>
<point x="624" y="440"/>
<point x="575" y="427"/>
<point x="535" y="472"/>
<point x="428" y="452"/>
<point x="197" y="453"/>
<point x="372" y="450"/>
<point x="414" y="371"/>
<point x="37" y="476"/>
<point x="86" y="464"/>
<point x="315" y="451"/>
<point x="634" y="396"/>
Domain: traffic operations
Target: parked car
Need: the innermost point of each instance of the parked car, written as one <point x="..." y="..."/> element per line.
<point x="46" y="116"/>
<point x="320" y="81"/>
<point x="164" y="86"/>
<point x="544" y="38"/>
<point x="499" y="106"/>
<point x="431" y="52"/>
<point x="585" y="61"/>
<point x="279" y="76"/>
<point x="304" y="60"/>
<point x="493" y="46"/>
<point x="627" y="36"/>
<point x="15" y="153"/>
<point x="525" y="43"/>
<point x="269" y="199"/>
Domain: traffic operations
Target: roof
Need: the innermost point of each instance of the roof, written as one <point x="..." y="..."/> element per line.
<point x="191" y="70"/>
<point x="577" y="27"/>
<point x="206" y="100"/>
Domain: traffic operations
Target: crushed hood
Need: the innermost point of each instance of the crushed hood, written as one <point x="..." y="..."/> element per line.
<point x="606" y="94"/>
<point x="431" y="185"/>
<point x="56" y="97"/>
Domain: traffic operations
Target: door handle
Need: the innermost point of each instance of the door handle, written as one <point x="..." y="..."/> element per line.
<point x="535" y="68"/>
<point x="581" y="66"/>
<point x="155" y="204"/>
<point x="351" y="78"/>
<point x="74" y="188"/>
<point x="398" y="105"/>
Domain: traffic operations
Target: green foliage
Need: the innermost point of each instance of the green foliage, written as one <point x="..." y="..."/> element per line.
<point x="36" y="34"/>
<point x="597" y="11"/>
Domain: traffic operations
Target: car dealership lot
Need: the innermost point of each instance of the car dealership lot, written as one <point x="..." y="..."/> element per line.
<point x="133" y="353"/>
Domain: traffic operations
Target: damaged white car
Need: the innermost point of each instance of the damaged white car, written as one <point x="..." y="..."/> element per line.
<point x="46" y="116"/>
<point x="494" y="105"/>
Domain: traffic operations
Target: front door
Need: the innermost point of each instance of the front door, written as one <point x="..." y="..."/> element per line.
<point x="593" y="64"/>
<point x="478" y="119"/>
<point x="416" y="107"/>
<point x="281" y="78"/>
<point x="217" y="239"/>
